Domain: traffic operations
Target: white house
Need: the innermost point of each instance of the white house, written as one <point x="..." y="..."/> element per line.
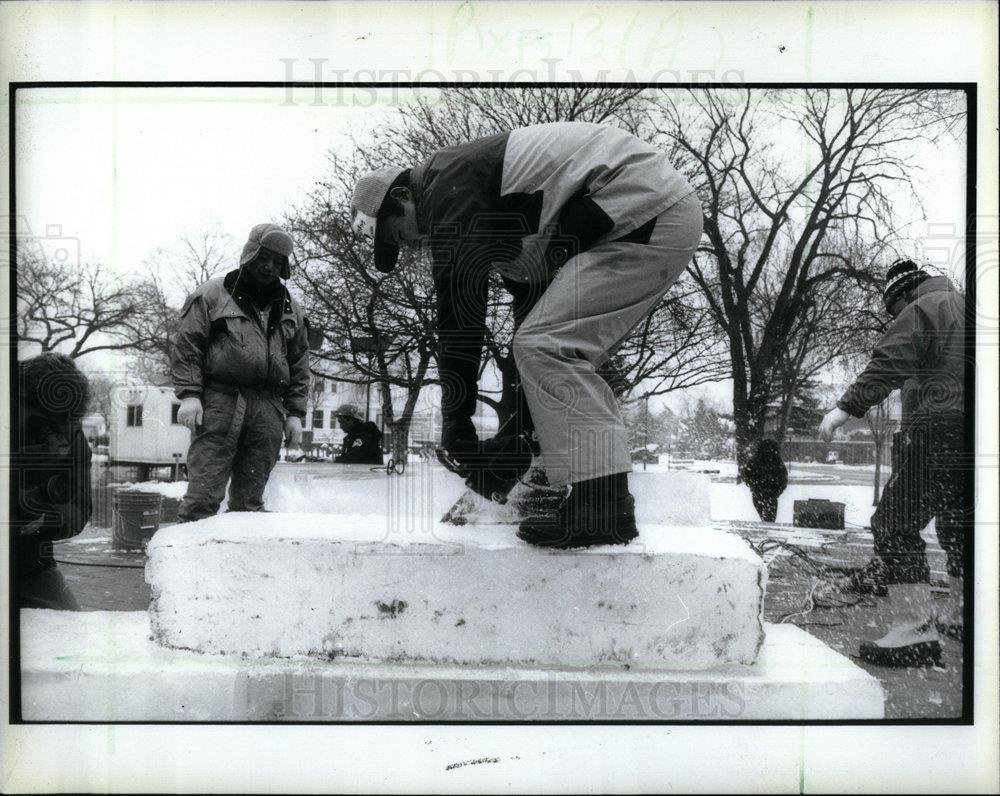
<point x="144" y="427"/>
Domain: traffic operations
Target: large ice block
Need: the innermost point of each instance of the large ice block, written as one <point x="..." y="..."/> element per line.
<point x="102" y="666"/>
<point x="349" y="587"/>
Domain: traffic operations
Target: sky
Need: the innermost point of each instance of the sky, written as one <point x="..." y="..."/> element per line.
<point x="115" y="174"/>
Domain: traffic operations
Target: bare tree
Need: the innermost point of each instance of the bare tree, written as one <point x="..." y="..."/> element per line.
<point x="172" y="273"/>
<point x="75" y="309"/>
<point x="782" y="174"/>
<point x="376" y="328"/>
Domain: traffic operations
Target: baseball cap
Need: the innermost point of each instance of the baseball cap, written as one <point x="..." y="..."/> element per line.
<point x="348" y="410"/>
<point x="369" y="193"/>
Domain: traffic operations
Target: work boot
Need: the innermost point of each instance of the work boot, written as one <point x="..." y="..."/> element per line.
<point x="912" y="640"/>
<point x="536" y="497"/>
<point x="599" y="511"/>
<point x="868" y="580"/>
<point x="952" y="624"/>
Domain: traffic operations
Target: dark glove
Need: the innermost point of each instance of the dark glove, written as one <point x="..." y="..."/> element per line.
<point x="501" y="461"/>
<point x="460" y="440"/>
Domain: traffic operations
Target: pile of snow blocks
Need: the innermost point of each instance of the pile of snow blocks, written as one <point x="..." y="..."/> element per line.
<point x="287" y="585"/>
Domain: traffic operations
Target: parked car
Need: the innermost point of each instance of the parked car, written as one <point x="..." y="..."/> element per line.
<point x="645" y="456"/>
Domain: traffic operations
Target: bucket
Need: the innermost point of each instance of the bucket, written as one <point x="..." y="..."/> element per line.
<point x="168" y="510"/>
<point x="136" y="517"/>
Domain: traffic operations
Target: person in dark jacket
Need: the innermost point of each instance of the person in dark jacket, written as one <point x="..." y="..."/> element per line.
<point x="767" y="477"/>
<point x="50" y="476"/>
<point x="588" y="226"/>
<point x="240" y="365"/>
<point x="923" y="352"/>
<point x="362" y="438"/>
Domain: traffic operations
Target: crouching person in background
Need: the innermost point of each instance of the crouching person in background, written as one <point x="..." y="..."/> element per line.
<point x="240" y="365"/>
<point x="767" y="476"/>
<point x="362" y="439"/>
<point x="50" y="486"/>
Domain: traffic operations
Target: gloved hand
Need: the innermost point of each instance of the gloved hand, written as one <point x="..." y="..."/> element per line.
<point x="833" y="420"/>
<point x="293" y="431"/>
<point x="190" y="414"/>
<point x="460" y="440"/>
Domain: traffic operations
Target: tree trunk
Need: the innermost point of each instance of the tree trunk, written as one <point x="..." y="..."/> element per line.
<point x="748" y="416"/>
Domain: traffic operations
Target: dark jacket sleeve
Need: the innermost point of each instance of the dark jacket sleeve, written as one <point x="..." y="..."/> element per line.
<point x="190" y="347"/>
<point x="897" y="356"/>
<point x="298" y="371"/>
<point x="460" y="297"/>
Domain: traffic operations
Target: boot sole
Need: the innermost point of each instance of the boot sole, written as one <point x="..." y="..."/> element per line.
<point x="921" y="654"/>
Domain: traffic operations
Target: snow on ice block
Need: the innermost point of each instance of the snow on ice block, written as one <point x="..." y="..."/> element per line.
<point x="103" y="666"/>
<point x="346" y="587"/>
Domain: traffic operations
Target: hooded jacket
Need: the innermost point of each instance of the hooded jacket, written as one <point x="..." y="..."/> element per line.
<point x="923" y="350"/>
<point x="529" y="199"/>
<point x="223" y="337"/>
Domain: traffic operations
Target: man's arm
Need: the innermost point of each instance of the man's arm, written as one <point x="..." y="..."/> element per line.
<point x="896" y="357"/>
<point x="190" y="344"/>
<point x="298" y="370"/>
<point x="461" y="292"/>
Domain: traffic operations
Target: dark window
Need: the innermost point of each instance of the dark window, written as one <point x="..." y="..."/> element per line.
<point x="317" y="418"/>
<point x="133" y="416"/>
<point x="174" y="409"/>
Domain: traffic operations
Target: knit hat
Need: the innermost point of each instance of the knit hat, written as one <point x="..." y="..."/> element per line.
<point x="348" y="410"/>
<point x="270" y="237"/>
<point x="902" y="277"/>
<point x="367" y="200"/>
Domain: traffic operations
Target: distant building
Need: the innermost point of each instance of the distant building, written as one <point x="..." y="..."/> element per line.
<point x="145" y="431"/>
<point x="324" y="399"/>
<point x="853" y="443"/>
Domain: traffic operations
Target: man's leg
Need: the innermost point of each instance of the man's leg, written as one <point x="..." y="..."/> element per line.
<point x="589" y="309"/>
<point x="257" y="453"/>
<point x="210" y="457"/>
<point x="904" y="510"/>
<point x="906" y="506"/>
<point x="949" y="471"/>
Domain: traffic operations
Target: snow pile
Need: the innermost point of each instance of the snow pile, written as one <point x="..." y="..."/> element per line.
<point x="371" y="588"/>
<point x="169" y="489"/>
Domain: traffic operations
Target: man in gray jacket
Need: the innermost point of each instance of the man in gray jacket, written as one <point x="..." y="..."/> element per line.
<point x="240" y="366"/>
<point x="588" y="227"/>
<point x="922" y="352"/>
